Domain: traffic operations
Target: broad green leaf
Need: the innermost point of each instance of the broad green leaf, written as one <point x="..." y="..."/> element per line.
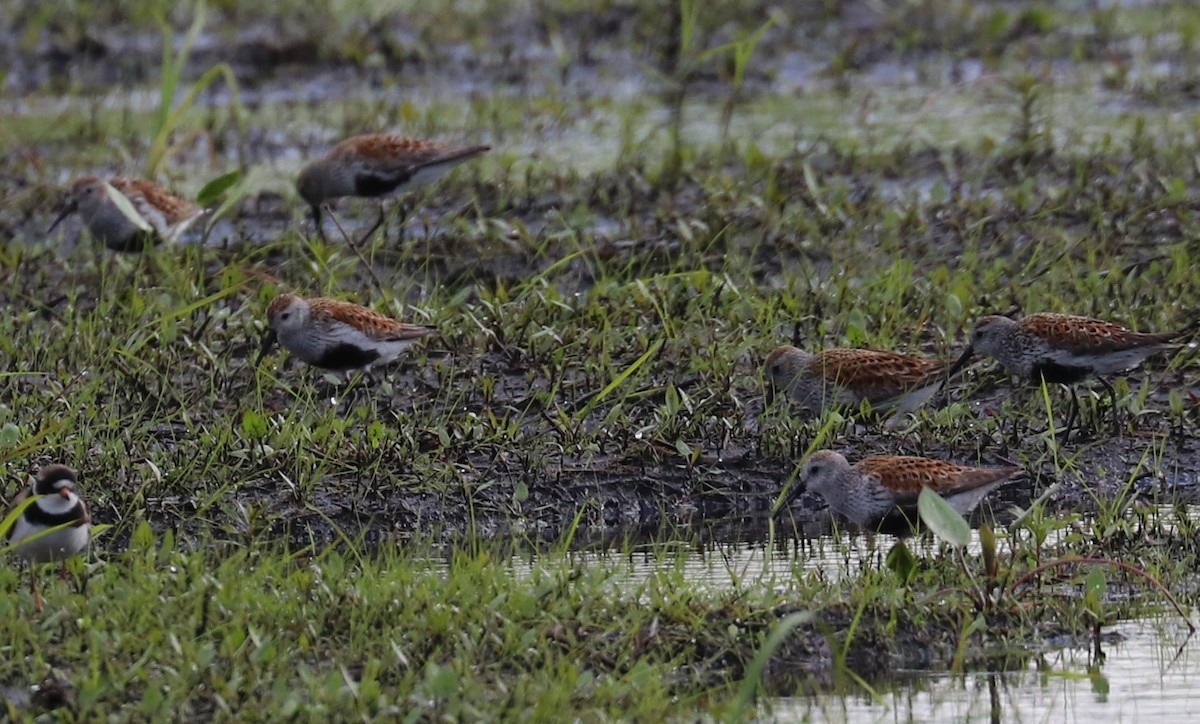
<point x="122" y="202"/>
<point x="944" y="521"/>
<point x="213" y="190"/>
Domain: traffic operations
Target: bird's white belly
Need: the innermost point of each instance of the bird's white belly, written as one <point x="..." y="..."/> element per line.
<point x="56" y="546"/>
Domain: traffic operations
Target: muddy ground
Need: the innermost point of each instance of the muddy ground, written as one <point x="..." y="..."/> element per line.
<point x="627" y="483"/>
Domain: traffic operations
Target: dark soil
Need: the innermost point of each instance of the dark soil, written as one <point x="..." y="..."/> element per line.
<point x="1114" y="200"/>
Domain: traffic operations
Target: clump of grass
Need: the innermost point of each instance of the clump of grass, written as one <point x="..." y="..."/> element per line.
<point x="217" y="631"/>
<point x="222" y="624"/>
<point x="170" y="114"/>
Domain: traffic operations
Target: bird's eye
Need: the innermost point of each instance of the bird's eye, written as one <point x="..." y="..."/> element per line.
<point x="812" y="470"/>
<point x="285" y="315"/>
<point x="776" y="368"/>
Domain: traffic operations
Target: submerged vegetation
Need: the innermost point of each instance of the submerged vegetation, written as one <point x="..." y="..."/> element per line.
<point x="674" y="191"/>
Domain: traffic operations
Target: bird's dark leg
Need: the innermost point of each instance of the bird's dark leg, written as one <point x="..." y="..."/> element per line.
<point x="402" y="213"/>
<point x="325" y="388"/>
<point x="382" y="219"/>
<point x="1015" y="388"/>
<point x="1112" y="398"/>
<point x="366" y="236"/>
<point x="316" y="214"/>
<point x="1071" y="415"/>
<point x="354" y="387"/>
<point x="378" y="223"/>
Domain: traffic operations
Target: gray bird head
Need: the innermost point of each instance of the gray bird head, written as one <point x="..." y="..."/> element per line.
<point x="286" y="313"/>
<point x="990" y="334"/>
<point x="988" y="339"/>
<point x="86" y="196"/>
<point x="822" y="472"/>
<point x="781" y="369"/>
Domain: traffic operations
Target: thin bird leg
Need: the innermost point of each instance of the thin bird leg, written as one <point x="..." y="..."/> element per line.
<point x="358" y="252"/>
<point x="1072" y="414"/>
<point x="357" y="387"/>
<point x="402" y="213"/>
<point x="1016" y="389"/>
<point x="1112" y="398"/>
<point x="365" y="237"/>
<point x="316" y="214"/>
<point x="382" y="220"/>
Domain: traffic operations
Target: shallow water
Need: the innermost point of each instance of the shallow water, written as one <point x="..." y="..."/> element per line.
<point x="1149" y="670"/>
<point x="1152" y="674"/>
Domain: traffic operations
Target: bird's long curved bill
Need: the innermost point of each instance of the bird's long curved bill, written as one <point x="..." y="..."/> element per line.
<point x="268" y="341"/>
<point x="957" y="366"/>
<point x="67" y="211"/>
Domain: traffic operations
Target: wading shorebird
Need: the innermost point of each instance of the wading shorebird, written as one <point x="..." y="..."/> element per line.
<point x="335" y="335"/>
<point x="881" y="486"/>
<point x="847" y="377"/>
<point x="53" y="527"/>
<point x="1065" y="349"/>
<point x="128" y="214"/>
<point x="376" y="165"/>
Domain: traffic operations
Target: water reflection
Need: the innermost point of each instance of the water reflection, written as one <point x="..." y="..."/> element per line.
<point x="721" y="555"/>
<point x="1146" y="669"/>
<point x="1151" y="673"/>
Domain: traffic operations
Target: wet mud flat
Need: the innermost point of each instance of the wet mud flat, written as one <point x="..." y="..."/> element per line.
<point x="639" y="487"/>
<point x="887" y="176"/>
<point x="497" y="427"/>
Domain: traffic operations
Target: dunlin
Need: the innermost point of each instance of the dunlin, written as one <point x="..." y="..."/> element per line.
<point x="54" y="527"/>
<point x="836" y="377"/>
<point x="376" y="165"/>
<point x="336" y="335"/>
<point x="129" y="214"/>
<point x="1065" y="349"/>
<point x="880" y="486"/>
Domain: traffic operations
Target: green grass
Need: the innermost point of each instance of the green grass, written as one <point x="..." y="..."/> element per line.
<point x="167" y="629"/>
<point x="282" y="543"/>
<point x="218" y="627"/>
